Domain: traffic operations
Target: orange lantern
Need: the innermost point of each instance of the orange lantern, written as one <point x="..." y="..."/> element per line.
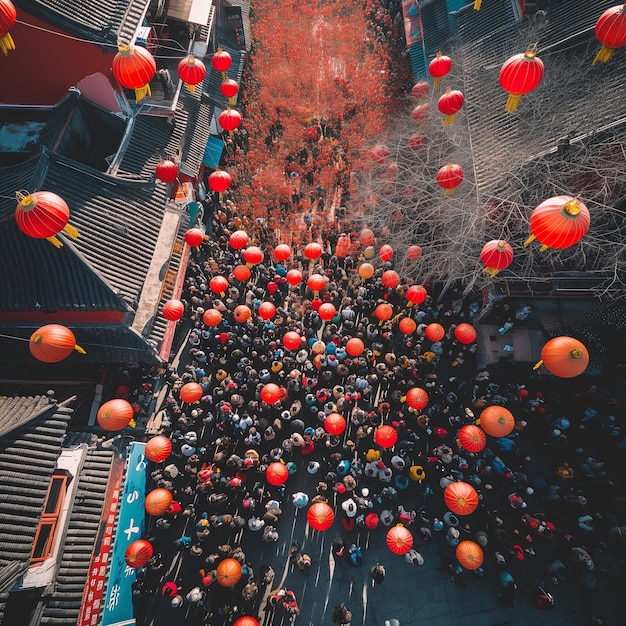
<point x="238" y="240"/>
<point x="138" y="553"/>
<point x="194" y="237"/>
<point x="355" y="347"/>
<point x="316" y="282"/>
<point x="241" y="273"/>
<point x="434" y="332"/>
<point x="450" y="103"/>
<point x="496" y="255"/>
<point x="420" y="90"/>
<point x="390" y="279"/>
<point x="469" y="554"/>
<point x="465" y="333"/>
<point x="246" y="620"/>
<point x="335" y="424"/>
<point x="253" y="255"/>
<point x="221" y="60"/>
<point x="414" y="253"/>
<point x="327" y="311"/>
<point x="417" y="398"/>
<point x="228" y="572"/>
<point x="242" y="314"/>
<point x="385" y="253"/>
<point x="564" y="357"/>
<point x="416" y="294"/>
<point x="218" y="284"/>
<point x="520" y="75"/>
<point x="115" y="414"/>
<point x="158" y="501"/>
<point x="407" y="326"/>
<point x="559" y="222"/>
<point x="472" y="438"/>
<point x="276" y="474"/>
<point x="53" y="343"/>
<point x="173" y="310"/>
<point x="461" y="498"/>
<point x="212" y="317"/>
<point x="420" y="112"/>
<point x="383" y="312"/>
<point x="158" y="449"/>
<point x="294" y="277"/>
<point x="230" y="119"/>
<point x="497" y="421"/>
<point x="366" y="271"/>
<point x="271" y="393"/>
<point x="439" y="67"/>
<point x="191" y="71"/>
<point x="191" y="392"/>
<point x="282" y="251"/>
<point x="320" y="516"/>
<point x="610" y="31"/>
<point x="8" y="16"/>
<point x="449" y="177"/>
<point x="399" y="539"/>
<point x="313" y="251"/>
<point x="220" y="181"/>
<point x="134" y="67"/>
<point x="166" y="171"/>
<point x="292" y="340"/>
<point x="266" y="310"/>
<point x="366" y="237"/>
<point x="386" y="436"/>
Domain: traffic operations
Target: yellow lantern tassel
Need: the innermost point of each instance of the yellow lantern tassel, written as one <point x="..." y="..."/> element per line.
<point x="449" y="119"/>
<point x="447" y="192"/>
<point x="543" y="248"/>
<point x="190" y="88"/>
<point x="477" y="4"/>
<point x="492" y="271"/>
<point x="71" y="231"/>
<point x="604" y="55"/>
<point x="79" y="349"/>
<point x="6" y="43"/>
<point x="512" y="102"/>
<point x="142" y="92"/>
<point x="132" y="423"/>
<point x="529" y="240"/>
<point x="537" y="366"/>
<point x="437" y="81"/>
<point x="57" y="243"/>
<point x="224" y="76"/>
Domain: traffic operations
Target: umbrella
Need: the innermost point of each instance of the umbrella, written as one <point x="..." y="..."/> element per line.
<point x="399" y="539"/>
<point x="158" y="501"/>
<point x="461" y="498"/>
<point x="276" y="474"/>
<point x="386" y="436"/>
<point x="320" y="516"/>
<point x="469" y="554"/>
<point x="497" y="421"/>
<point x="138" y="553"/>
<point x="472" y="438"/>
<point x="228" y="572"/>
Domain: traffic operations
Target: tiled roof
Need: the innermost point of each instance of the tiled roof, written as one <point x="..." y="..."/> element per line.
<point x="98" y="21"/>
<point x="63" y="605"/>
<point x="212" y="85"/>
<point x="28" y="456"/>
<point x="196" y="130"/>
<point x="245" y="16"/>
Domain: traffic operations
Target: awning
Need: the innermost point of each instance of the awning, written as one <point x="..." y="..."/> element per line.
<point x="192" y="11"/>
<point x="213" y="152"/>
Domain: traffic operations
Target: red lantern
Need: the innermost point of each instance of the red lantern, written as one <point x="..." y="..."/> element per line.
<point x="238" y="240"/>
<point x="294" y="277"/>
<point x="191" y="392"/>
<point x="416" y="294"/>
<point x="320" y="516"/>
<point x="191" y="71"/>
<point x="292" y="340"/>
<point x="313" y="251"/>
<point x="212" y="318"/>
<point x="416" y="141"/>
<point x="414" y="253"/>
<point x="417" y="398"/>
<point x="241" y="272"/>
<point x="366" y="237"/>
<point x="472" y="438"/>
<point x="520" y="75"/>
<point x="276" y="474"/>
<point x="343" y="247"/>
<point x="230" y="119"/>
<point x="138" y="553"/>
<point x="383" y="312"/>
<point x="399" y="540"/>
<point x="220" y="181"/>
<point x="610" y="31"/>
<point x="272" y="287"/>
<point x="158" y="449"/>
<point x="242" y="314"/>
<point x="386" y="436"/>
<point x="461" y="498"/>
<point x="407" y="326"/>
<point x="434" y="332"/>
<point x="496" y="255"/>
<point x="327" y="311"/>
<point x="42" y="215"/>
<point x="194" y="237"/>
<point x="115" y="414"/>
<point x="385" y="253"/>
<point x="246" y="620"/>
<point x="420" y="112"/>
<point x="420" y="90"/>
<point x="316" y="282"/>
<point x="253" y="255"/>
<point x="379" y="154"/>
<point x="282" y="252"/>
<point x="469" y="554"/>
<point x="334" y="424"/>
<point x="465" y="333"/>
<point x="173" y="310"/>
<point x="134" y="67"/>
<point x="8" y="16"/>
<point x="449" y="177"/>
<point x="559" y="222"/>
<point x="271" y="393"/>
<point x="450" y="104"/>
<point x="497" y="421"/>
<point x="53" y="343"/>
<point x="390" y="279"/>
<point x="158" y="501"/>
<point x="218" y="284"/>
<point x="266" y="310"/>
<point x="228" y="572"/>
<point x="229" y="88"/>
<point x="355" y="347"/>
<point x="166" y="171"/>
<point x="439" y="67"/>
<point x="221" y="61"/>
<point x="565" y="357"/>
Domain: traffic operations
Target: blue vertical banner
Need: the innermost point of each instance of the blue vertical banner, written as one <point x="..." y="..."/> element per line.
<point x="118" y="604"/>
